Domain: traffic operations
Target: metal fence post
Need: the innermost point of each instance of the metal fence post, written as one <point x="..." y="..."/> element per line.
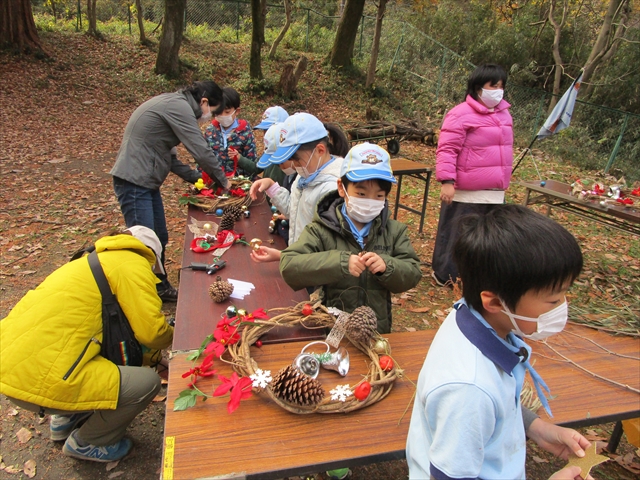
<point x="237" y="21"/>
<point x="441" y="74"/>
<point x="617" y="146"/>
<point x="306" y="40"/>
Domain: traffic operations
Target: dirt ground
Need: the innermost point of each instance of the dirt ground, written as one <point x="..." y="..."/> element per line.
<point x="62" y="122"/>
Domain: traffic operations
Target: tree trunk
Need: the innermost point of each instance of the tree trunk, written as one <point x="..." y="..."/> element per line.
<point x="600" y="49"/>
<point x="258" y="13"/>
<point x="17" y="28"/>
<point x="168" y="61"/>
<point x="342" y="51"/>
<point x="139" y="14"/>
<point x="557" y="58"/>
<point x="375" y="48"/>
<point x="91" y="14"/>
<point x="287" y="23"/>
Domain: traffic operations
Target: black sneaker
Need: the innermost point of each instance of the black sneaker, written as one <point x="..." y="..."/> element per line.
<point x="168" y="295"/>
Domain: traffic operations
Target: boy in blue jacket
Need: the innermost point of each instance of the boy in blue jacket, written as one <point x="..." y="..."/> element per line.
<point x="516" y="267"/>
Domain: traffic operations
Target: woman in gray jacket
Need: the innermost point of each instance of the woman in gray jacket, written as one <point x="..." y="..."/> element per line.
<point x="147" y="155"/>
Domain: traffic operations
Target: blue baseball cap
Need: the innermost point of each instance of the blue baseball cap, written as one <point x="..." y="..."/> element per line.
<point x="367" y="161"/>
<point x="271" y="142"/>
<point x="298" y="129"/>
<point x="271" y="116"/>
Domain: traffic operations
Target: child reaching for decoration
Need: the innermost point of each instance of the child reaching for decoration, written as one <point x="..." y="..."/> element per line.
<point x="468" y="422"/>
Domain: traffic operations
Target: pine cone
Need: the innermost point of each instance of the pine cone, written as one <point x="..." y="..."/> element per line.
<point x="231" y="214"/>
<point x="361" y="324"/>
<point x="295" y="387"/>
<point x="220" y="290"/>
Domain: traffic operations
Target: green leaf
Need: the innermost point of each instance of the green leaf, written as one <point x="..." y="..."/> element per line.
<point x="186" y="399"/>
<point x="194" y="355"/>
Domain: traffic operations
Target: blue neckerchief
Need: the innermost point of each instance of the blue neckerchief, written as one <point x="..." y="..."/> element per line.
<point x="227" y="131"/>
<point x="304" y="182"/>
<point x="359" y="235"/>
<point x="513" y="344"/>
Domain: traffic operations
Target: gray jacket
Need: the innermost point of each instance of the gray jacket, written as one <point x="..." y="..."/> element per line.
<point x="154" y="128"/>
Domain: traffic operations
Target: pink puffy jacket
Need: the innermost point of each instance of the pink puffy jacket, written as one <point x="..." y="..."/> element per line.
<point x="475" y="147"/>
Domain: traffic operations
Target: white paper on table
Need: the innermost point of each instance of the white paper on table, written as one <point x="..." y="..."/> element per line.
<point x="240" y="288"/>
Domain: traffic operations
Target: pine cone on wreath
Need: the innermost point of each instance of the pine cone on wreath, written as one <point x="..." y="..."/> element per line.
<point x="231" y="214"/>
<point x="293" y="386"/>
<point x="361" y="324"/>
<point x="220" y="290"/>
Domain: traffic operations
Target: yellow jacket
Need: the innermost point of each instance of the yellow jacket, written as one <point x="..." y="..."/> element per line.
<point x="60" y="322"/>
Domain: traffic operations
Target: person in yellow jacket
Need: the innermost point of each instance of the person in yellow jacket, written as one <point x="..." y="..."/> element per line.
<point x="50" y="358"/>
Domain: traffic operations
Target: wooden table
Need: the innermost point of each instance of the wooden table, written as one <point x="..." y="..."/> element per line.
<point x="557" y="194"/>
<point x="196" y="314"/>
<point x="262" y="441"/>
<point x="402" y="167"/>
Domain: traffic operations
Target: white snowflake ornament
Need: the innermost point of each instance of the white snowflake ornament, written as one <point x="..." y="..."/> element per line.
<point x="261" y="378"/>
<point x="341" y="392"/>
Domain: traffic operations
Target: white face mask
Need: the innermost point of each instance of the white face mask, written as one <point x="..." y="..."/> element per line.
<point x="491" y="98"/>
<point x="304" y="171"/>
<point x="549" y="323"/>
<point x="288" y="170"/>
<point x="363" y="210"/>
<point x="226" y="120"/>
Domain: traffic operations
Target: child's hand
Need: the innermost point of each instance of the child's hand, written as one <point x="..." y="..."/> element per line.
<point x="233" y="154"/>
<point x="558" y="440"/>
<point x="265" y="254"/>
<point x="260" y="186"/>
<point x="356" y="265"/>
<point x="446" y="192"/>
<point x="568" y="473"/>
<point x="374" y="262"/>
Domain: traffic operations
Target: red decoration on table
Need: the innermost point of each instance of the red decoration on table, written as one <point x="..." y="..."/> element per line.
<point x="240" y="390"/>
<point x="386" y="363"/>
<point x="307" y="309"/>
<point x="362" y="391"/>
<point x="202" y="370"/>
<point x="625" y="201"/>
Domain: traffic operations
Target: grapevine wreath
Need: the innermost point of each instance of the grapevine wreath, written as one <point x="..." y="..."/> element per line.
<point x="380" y="377"/>
<point x="204" y="196"/>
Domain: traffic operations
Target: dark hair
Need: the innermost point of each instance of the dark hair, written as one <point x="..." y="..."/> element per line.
<point x="231" y="97"/>
<point x="336" y="142"/>
<point x="384" y="185"/>
<point x="483" y="74"/>
<point x="207" y="89"/>
<point x="511" y="250"/>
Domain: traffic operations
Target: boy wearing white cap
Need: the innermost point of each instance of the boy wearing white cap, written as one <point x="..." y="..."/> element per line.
<point x="315" y="150"/>
<point x="271" y="116"/>
<point x="353" y="242"/>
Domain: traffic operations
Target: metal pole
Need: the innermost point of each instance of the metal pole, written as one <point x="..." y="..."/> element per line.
<point x="617" y="146"/>
<point x="393" y="61"/>
<point x="442" y="64"/>
<point x="237" y="21"/>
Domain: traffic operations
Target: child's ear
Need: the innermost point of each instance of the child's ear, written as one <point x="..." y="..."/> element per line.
<point x="341" y="190"/>
<point x="490" y="302"/>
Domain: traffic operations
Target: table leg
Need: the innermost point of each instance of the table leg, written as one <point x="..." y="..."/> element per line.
<point x="526" y="198"/>
<point x="612" y="446"/>
<point x="424" y="199"/>
<point x="397" y="205"/>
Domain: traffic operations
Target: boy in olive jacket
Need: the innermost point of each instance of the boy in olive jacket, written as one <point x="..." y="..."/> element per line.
<point x="352" y="248"/>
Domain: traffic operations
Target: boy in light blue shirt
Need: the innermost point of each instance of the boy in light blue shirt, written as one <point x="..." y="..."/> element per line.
<point x="467" y="422"/>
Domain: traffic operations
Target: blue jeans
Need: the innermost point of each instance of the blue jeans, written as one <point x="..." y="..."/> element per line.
<point x="143" y="206"/>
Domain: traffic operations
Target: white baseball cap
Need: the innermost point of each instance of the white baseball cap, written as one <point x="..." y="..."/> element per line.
<point x="298" y="129"/>
<point x="367" y="161"/>
<point x="271" y="142"/>
<point x="149" y="238"/>
<point x="271" y="116"/>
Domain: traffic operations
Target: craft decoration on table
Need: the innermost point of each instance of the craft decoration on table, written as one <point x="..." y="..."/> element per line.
<point x="309" y="363"/>
<point x="203" y="195"/>
<point x="615" y="193"/>
<point x="292" y="389"/>
<point x="220" y="290"/>
<point x="586" y="463"/>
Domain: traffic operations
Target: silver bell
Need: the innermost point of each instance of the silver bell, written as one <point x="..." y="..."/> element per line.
<point x="307" y="364"/>
<point x="338" y="361"/>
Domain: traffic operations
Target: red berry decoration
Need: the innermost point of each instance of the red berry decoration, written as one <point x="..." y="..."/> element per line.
<point x="362" y="391"/>
<point x="307" y="310"/>
<point x="386" y="363"/>
<point x="258" y="343"/>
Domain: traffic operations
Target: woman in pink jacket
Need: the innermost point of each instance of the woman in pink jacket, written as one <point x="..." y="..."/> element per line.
<point x="473" y="160"/>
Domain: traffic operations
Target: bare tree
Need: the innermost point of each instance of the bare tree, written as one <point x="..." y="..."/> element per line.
<point x="17" y="28"/>
<point x="557" y="58"/>
<point x="91" y="15"/>
<point x="283" y="32"/>
<point x="258" y="14"/>
<point x="168" y="61"/>
<point x="375" y="48"/>
<point x="139" y="14"/>
<point x="342" y="50"/>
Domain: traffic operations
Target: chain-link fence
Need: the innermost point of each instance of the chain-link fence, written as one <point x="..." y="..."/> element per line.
<point x="432" y="76"/>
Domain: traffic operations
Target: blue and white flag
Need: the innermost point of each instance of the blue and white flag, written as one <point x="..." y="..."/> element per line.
<point x="561" y="115"/>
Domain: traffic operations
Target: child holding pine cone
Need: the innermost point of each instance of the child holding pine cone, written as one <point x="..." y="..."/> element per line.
<point x="353" y="248"/>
